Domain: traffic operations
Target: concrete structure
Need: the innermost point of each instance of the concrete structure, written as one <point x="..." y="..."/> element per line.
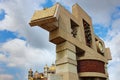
<point x="81" y="55"/>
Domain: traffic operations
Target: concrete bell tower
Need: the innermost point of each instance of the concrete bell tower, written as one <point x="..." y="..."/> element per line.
<point x="80" y="54"/>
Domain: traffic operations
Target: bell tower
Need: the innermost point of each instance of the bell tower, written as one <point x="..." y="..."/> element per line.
<point x="80" y="54"/>
<point x="30" y="74"/>
<point x="46" y="70"/>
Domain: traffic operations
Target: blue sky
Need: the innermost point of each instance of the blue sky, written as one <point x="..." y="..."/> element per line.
<point x="2" y="14"/>
<point x="23" y="47"/>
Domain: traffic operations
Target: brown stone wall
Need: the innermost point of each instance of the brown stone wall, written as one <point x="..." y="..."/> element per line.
<point x="90" y="66"/>
<point x="43" y="79"/>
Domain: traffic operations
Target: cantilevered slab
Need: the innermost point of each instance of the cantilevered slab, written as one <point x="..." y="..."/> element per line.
<point x="108" y="54"/>
<point x="46" y="18"/>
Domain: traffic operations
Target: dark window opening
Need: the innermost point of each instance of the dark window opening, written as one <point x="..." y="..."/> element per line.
<point x="74" y="28"/>
<point x="79" y="52"/>
<point x="87" y="31"/>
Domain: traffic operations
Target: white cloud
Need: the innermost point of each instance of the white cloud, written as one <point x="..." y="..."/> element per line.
<point x="2" y="57"/>
<point x="6" y="77"/>
<point x="114" y="45"/>
<point x="115" y="28"/>
<point x="113" y="41"/>
<point x="114" y="64"/>
<point x="36" y="51"/>
<point x="18" y="14"/>
<point x="22" y="55"/>
<point x="114" y="71"/>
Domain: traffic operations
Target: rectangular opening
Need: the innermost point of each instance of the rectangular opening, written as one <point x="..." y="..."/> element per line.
<point x="79" y="52"/>
<point x="74" y="28"/>
<point x="87" y="32"/>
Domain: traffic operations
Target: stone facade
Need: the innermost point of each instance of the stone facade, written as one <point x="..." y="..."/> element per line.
<point x="80" y="54"/>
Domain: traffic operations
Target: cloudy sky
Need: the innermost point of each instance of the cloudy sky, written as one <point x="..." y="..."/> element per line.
<point x="23" y="47"/>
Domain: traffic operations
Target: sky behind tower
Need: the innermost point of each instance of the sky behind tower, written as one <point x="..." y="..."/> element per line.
<point x="23" y="47"/>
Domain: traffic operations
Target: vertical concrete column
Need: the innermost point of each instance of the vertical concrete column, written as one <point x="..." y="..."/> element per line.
<point x="66" y="64"/>
<point x="81" y="15"/>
